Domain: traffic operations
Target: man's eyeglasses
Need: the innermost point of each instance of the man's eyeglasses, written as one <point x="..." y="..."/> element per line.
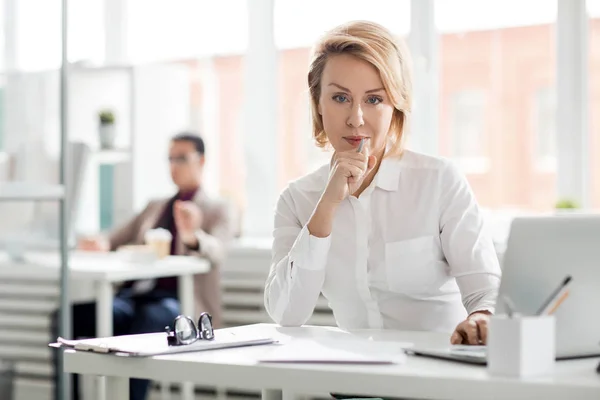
<point x="187" y="332"/>
<point x="182" y="159"/>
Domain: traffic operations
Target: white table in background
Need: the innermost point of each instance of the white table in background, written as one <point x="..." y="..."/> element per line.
<point x="418" y="378"/>
<point x="105" y="270"/>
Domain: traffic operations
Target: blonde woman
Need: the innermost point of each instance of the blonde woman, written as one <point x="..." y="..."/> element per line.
<point x="394" y="239"/>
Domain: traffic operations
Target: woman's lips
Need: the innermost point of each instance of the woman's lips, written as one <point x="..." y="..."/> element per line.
<point x="354" y="140"/>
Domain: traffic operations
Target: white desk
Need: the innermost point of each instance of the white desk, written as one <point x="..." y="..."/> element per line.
<point x="104" y="270"/>
<point x="418" y="378"/>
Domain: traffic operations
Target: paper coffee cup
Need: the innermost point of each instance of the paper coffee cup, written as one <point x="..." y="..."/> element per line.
<point x="159" y="240"/>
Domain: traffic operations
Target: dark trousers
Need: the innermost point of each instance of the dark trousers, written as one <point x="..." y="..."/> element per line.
<point x="131" y="315"/>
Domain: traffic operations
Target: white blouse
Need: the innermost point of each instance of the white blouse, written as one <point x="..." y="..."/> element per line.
<point x="410" y="253"/>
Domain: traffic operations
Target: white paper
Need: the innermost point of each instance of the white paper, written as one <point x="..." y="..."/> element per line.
<point x="150" y="344"/>
<point x="320" y="350"/>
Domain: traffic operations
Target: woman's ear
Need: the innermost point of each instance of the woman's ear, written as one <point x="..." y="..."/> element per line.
<point x="319" y="110"/>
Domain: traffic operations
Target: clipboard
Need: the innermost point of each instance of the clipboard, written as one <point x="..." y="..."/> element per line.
<point x="155" y="344"/>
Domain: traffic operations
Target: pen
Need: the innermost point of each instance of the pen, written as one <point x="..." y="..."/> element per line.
<point x="360" y="145"/>
<point x="556" y="298"/>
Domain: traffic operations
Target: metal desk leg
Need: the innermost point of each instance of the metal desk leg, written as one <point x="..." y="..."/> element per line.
<point x="117" y="388"/>
<point x="288" y="395"/>
<point x="186" y="298"/>
<point x="165" y="393"/>
<point x="104" y="328"/>
<point x="186" y="295"/>
<point x="104" y="309"/>
<point x="272" y="394"/>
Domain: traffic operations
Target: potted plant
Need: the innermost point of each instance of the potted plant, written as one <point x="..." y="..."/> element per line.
<point x="106" y="129"/>
<point x="566" y="205"/>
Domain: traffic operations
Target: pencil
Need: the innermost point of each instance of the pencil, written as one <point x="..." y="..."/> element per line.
<point x="360" y="145"/>
<point x="558" y="302"/>
<point x="557" y="297"/>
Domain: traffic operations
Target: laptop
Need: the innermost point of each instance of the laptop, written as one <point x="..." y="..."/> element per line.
<point x="541" y="251"/>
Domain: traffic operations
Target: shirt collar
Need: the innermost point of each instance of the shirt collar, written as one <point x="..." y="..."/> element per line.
<point x="389" y="174"/>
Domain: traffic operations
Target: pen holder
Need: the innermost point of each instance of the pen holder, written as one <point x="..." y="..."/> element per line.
<point x="521" y="346"/>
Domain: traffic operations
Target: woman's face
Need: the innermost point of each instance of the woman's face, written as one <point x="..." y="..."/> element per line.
<point x="354" y="104"/>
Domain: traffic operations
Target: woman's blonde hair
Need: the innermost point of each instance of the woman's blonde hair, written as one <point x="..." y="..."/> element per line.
<point x="376" y="45"/>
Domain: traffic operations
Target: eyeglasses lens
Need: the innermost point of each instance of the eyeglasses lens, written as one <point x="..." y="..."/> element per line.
<point x="185" y="330"/>
<point x="205" y="326"/>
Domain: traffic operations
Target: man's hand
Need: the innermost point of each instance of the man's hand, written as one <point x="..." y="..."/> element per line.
<point x="473" y="330"/>
<point x="188" y="219"/>
<point x="94" y="244"/>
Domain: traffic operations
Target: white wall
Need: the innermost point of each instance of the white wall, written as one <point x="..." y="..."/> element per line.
<point x="162" y="108"/>
<point x="89" y="92"/>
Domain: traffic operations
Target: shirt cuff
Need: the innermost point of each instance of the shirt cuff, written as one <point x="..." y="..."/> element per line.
<point x="490" y="309"/>
<point x="485" y="304"/>
<point x="196" y="246"/>
<point x="310" y="252"/>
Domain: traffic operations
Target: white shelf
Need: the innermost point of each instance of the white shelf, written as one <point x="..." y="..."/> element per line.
<point x="91" y="66"/>
<point x="111" y="157"/>
<point x="30" y="191"/>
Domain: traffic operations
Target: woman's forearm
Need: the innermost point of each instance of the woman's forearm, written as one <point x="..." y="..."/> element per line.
<point x="321" y="222"/>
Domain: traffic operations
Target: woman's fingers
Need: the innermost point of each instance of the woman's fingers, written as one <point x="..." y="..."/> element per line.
<point x="468" y="331"/>
<point x="482" y="327"/>
<point x="456" y="338"/>
<point x="350" y="170"/>
<point x="472" y="332"/>
<point x="356" y="163"/>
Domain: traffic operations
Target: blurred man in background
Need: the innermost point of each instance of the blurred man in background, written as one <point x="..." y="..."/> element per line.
<point x="199" y="226"/>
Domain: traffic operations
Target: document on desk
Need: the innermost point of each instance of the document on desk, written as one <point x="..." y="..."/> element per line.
<point x="154" y="344"/>
<point x="322" y="351"/>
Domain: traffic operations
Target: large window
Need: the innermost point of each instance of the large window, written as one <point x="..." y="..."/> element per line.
<point x="211" y="38"/>
<point x="467" y="126"/>
<point x="2" y="118"/>
<point x="497" y="76"/>
<point x="181" y="29"/>
<point x="298" y="24"/>
<point x="497" y="109"/>
<point x="229" y="96"/>
<point x="33" y="28"/>
<point x="594" y="93"/>
<point x="544" y="120"/>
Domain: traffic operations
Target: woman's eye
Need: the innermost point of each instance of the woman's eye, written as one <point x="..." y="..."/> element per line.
<point x="374" y="100"/>
<point x="340" y="98"/>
